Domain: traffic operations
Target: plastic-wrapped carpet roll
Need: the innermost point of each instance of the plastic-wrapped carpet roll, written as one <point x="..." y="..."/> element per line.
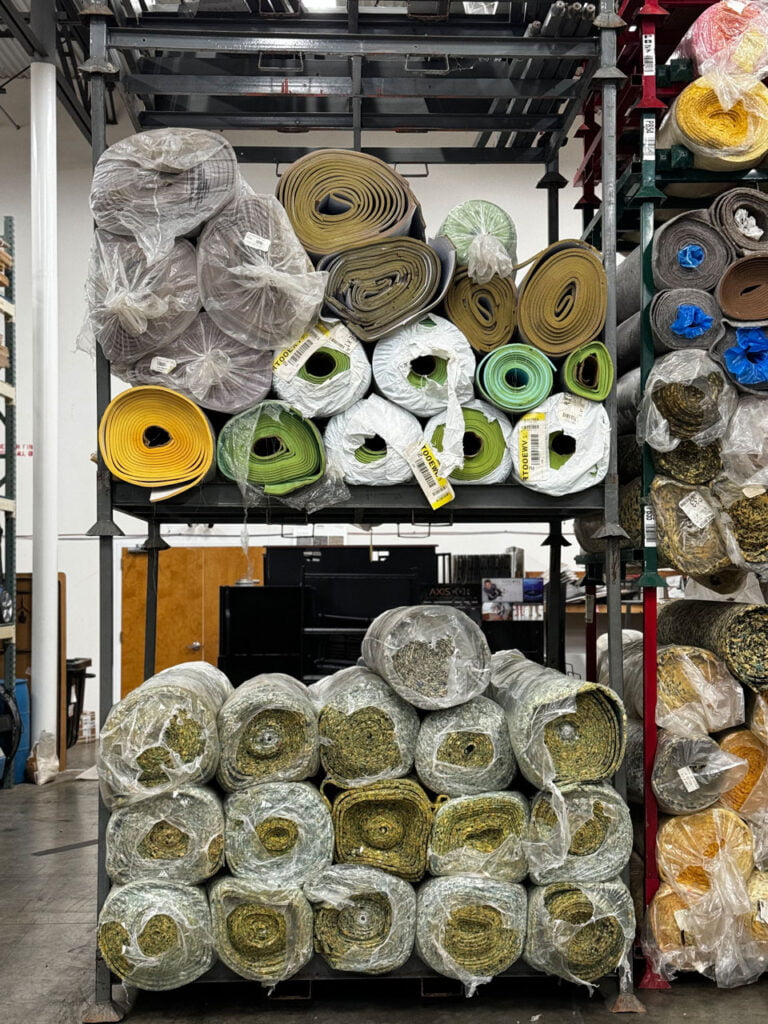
<point x="693" y="848"/>
<point x="470" y="928"/>
<point x="631" y="640"/>
<point x="688" y="528"/>
<point x="561" y="446"/>
<point x="156" y="935"/>
<point x="689" y="462"/>
<point x="743" y="354"/>
<point x="742" y="216"/>
<point x="465" y="750"/>
<point x="628" y="397"/>
<point x="630" y="457"/>
<point x="485" y="444"/>
<point x="515" y="377"/>
<point x="367" y="443"/>
<point x="757" y="890"/>
<point x="329" y="378"/>
<point x="745" y="445"/>
<point x="668" y="945"/>
<point x="588" y="372"/>
<point x="691" y="773"/>
<point x="365" y="919"/>
<point x="160" y="185"/>
<point x="481" y="835"/>
<point x="176" y="837"/>
<point x="748" y="795"/>
<point x="262" y="934"/>
<point x="486" y="314"/>
<point x="210" y="680"/>
<point x="633" y="762"/>
<point x="433" y="656"/>
<point x="268" y="733"/>
<point x="630" y="520"/>
<point x="485" y="239"/>
<point x="757" y="716"/>
<point x="747" y="530"/>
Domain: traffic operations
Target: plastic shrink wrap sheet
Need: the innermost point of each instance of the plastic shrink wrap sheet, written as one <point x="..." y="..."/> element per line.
<point x="481" y="835"/>
<point x="745" y="444"/>
<point x="690" y="773"/>
<point x="371" y="443"/>
<point x="485" y="239"/>
<point x="326" y="373"/>
<point x="480" y="454"/>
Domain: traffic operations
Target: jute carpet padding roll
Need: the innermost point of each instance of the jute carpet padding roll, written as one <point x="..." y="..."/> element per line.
<point x="688" y="529"/>
<point x="485" y="444"/>
<point x="365" y="919"/>
<point x="515" y="377"/>
<point x="630" y="520"/>
<point x="368" y="442"/>
<point x="691" y="848"/>
<point x="481" y="835"/>
<point x="691" y="773"/>
<point x="156" y="935"/>
<point x="737" y="633"/>
<point x="485" y="239"/>
<point x="743" y="289"/>
<point x="588" y="372"/>
<point x="175" y="837"/>
<point x="485" y="313"/>
<point x="742" y="216"/>
<point x="690" y="463"/>
<point x="337" y="199"/>
<point x="262" y="934"/>
<point x="469" y="928"/>
<point x="749" y="795"/>
<point x="155" y="438"/>
<point x="672" y="945"/>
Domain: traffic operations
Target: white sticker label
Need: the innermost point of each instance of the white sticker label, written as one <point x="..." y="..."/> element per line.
<point x="752" y="491"/>
<point x="762" y="911"/>
<point x="698" y="511"/>
<point x="160" y="364"/>
<point x="533" y="457"/>
<point x="572" y="408"/>
<point x="257" y="242"/>
<point x="649" y="54"/>
<point x="589" y="608"/>
<point x="736" y="5"/>
<point x="688" y="779"/>
<point x="289" y="361"/>
<point x="425" y="466"/>
<point x="649" y="527"/>
<point x="649" y="138"/>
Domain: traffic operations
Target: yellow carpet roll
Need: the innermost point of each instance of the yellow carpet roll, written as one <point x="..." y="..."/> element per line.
<point x="691" y="849"/>
<point x="749" y="796"/>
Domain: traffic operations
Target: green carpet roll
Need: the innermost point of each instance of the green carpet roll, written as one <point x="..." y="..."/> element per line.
<point x="481" y="835"/>
<point x="485" y="456"/>
<point x="484" y="237"/>
<point x="588" y="372"/>
<point x="515" y="377"/>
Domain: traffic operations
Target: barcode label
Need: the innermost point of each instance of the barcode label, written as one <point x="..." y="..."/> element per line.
<point x="697" y="509"/>
<point x="649" y="527"/>
<point x="649" y="138"/>
<point x="688" y="779"/>
<point x="161" y="364"/>
<point x="287" y="363"/>
<point x="649" y="54"/>
<point x="425" y="466"/>
<point x="572" y="408"/>
<point x="532" y="445"/>
<point x="256" y="242"/>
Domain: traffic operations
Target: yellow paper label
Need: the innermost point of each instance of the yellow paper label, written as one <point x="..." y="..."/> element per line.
<point x="532" y="444"/>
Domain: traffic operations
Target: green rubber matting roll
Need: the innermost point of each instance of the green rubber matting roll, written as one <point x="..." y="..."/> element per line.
<point x="588" y="372"/>
<point x="515" y="377"/>
<point x="485" y="443"/>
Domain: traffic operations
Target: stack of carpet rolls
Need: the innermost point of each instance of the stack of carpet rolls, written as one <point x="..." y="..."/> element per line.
<point x="392" y="809"/>
<point x="299" y="342"/>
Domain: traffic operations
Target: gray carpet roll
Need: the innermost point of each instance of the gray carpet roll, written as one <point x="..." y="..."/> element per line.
<point x="691" y="773"/>
<point x="680" y="318"/>
<point x="628" y="402"/>
<point x="742" y="352"/>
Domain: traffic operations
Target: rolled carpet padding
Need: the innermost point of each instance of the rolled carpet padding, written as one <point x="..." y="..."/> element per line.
<point x="563" y="730"/>
<point x="630" y="458"/>
<point x="670" y="944"/>
<point x="628" y="397"/>
<point x="562" y="446"/>
<point x="256" y="281"/>
<point x="745" y="444"/>
<point x="268" y="732"/>
<point x="433" y="656"/>
<point x="174" y="837"/>
<point x="261" y="933"/>
<point x="689" y="530"/>
<point x="585" y="838"/>
<point x="588" y="372"/>
<point x="465" y="750"/>
<point x="156" y="935"/>
<point x="365" y="919"/>
<point x="485" y="313"/>
<point x="367" y="733"/>
<point x="748" y="796"/>
<point x="692" y="850"/>
<point x="384" y="825"/>
<point x="579" y="931"/>
<point x="757" y="890"/>
<point x="515" y="377"/>
<point x="743" y="354"/>
<point x="691" y="772"/>
<point x="563" y="298"/>
<point x="368" y="443"/>
<point x="160" y="185"/>
<point x="585" y="528"/>
<point x="330" y="378"/>
<point x="337" y="199"/>
<point x="629" y="344"/>
<point x="633" y="762"/>
<point x="743" y="289"/>
<point x="689" y="462"/>
<point x="157" y="439"/>
<point x="737" y="633"/>
<point x="686" y="318"/>
<point x="742" y="216"/>
<point x="470" y="928"/>
<point x="485" y="239"/>
<point x="485" y="456"/>
<point x="481" y="835"/>
<point x="747" y="530"/>
<point x="278" y="834"/>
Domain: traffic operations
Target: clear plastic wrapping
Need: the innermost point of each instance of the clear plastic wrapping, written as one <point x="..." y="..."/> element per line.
<point x="481" y="453"/>
<point x="692" y="850"/>
<point x="481" y="835"/>
<point x="745" y="444"/>
<point x="757" y="890"/>
<point x="365" y="919"/>
<point x="371" y="442"/>
<point x="689" y="530"/>
<point x="757" y="717"/>
<point x="465" y="750"/>
<point x="175" y="837"/>
<point x="748" y="794"/>
<point x="485" y="239"/>
<point x="691" y="772"/>
<point x="156" y="935"/>
<point x="668" y="942"/>
<point x="744" y="518"/>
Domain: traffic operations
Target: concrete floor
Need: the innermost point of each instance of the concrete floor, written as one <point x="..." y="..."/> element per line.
<point x="47" y="942"/>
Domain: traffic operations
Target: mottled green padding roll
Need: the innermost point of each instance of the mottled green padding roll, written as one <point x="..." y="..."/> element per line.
<point x="262" y="933"/>
<point x="588" y="372"/>
<point x="515" y="377"/>
<point x="156" y="935"/>
<point x="690" y="463"/>
<point x="692" y="543"/>
<point x="485" y="444"/>
<point x="481" y="835"/>
<point x="365" y="919"/>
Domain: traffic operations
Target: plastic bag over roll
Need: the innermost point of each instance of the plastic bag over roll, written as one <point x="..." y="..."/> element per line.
<point x="485" y="239"/>
<point x="482" y="835"/>
<point x="481" y="453"/>
<point x="371" y="442"/>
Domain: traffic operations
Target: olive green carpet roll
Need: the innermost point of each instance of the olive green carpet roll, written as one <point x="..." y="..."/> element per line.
<point x="688" y="528"/>
<point x="563" y="730"/>
<point x="271" y="447"/>
<point x="630" y="519"/>
<point x="485" y="313"/>
<point x="484" y="456"/>
<point x="470" y="928"/>
<point x="156" y="935"/>
<point x="743" y="289"/>
<point x="278" y="834"/>
<point x="563" y="298"/>
<point x="174" y="837"/>
<point x="515" y="377"/>
<point x="367" y="733"/>
<point x="690" y="463"/>
<point x="481" y="835"/>
<point x="742" y="216"/>
<point x="365" y="919"/>
<point x="588" y="372"/>
<point x="262" y="934"/>
<point x="268" y="733"/>
<point x="465" y="750"/>
<point x="433" y="656"/>
<point x="579" y="931"/>
<point x="691" y="773"/>
<point x="737" y="633"/>
<point x="384" y="825"/>
<point x="485" y="239"/>
<point x="586" y="838"/>
<point x="693" y="850"/>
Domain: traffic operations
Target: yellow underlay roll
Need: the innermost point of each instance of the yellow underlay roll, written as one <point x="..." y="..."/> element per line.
<point x="154" y="437"/>
<point x="690" y="849"/>
<point x="749" y="796"/>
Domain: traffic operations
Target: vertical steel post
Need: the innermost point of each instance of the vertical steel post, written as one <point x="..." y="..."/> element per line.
<point x="9" y="538"/>
<point x="153" y="545"/>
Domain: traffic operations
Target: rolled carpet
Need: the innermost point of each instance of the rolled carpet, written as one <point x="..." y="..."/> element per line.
<point x="330" y="378"/>
<point x="686" y="318"/>
<point x="691" y="773"/>
<point x="262" y="934"/>
<point x="588" y="372"/>
<point x="743" y="354"/>
<point x="367" y="732"/>
<point x="629" y="344"/>
<point x="256" y="281"/>
<point x="485" y="456"/>
<point x="633" y="762"/>
<point x="688" y="528"/>
<point x="737" y="633"/>
<point x="465" y="750"/>
<point x="174" y="837"/>
<point x="160" y="185"/>
<point x="485" y="239"/>
<point x="268" y="733"/>
<point x="757" y="718"/>
<point x="745" y="444"/>
<point x="628" y="398"/>
<point x="481" y="835"/>
<point x="369" y="442"/>
<point x="757" y="890"/>
<point x="365" y="919"/>
<point x="585" y="528"/>
<point x="749" y="525"/>
<point x="337" y="199"/>
<point x="563" y="730"/>
<point x="470" y="928"/>
<point x="669" y="944"/>
<point x="743" y="289"/>
<point x="586" y="839"/>
<point x="690" y="463"/>
<point x="157" y="439"/>
<point x="748" y="796"/>
<point x="433" y="656"/>
<point x="562" y="300"/>
<point x="515" y="377"/>
<point x="742" y="216"/>
<point x="156" y="935"/>
<point x="692" y="850"/>
<point x="485" y="313"/>
<point x="630" y="458"/>
<point x="271" y="447"/>
<point x="579" y="931"/>
<point x="561" y="447"/>
<point x="384" y="825"/>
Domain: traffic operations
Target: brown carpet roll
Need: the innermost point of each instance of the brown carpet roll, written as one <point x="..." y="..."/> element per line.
<point x="743" y="289"/>
<point x="485" y="313"/>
